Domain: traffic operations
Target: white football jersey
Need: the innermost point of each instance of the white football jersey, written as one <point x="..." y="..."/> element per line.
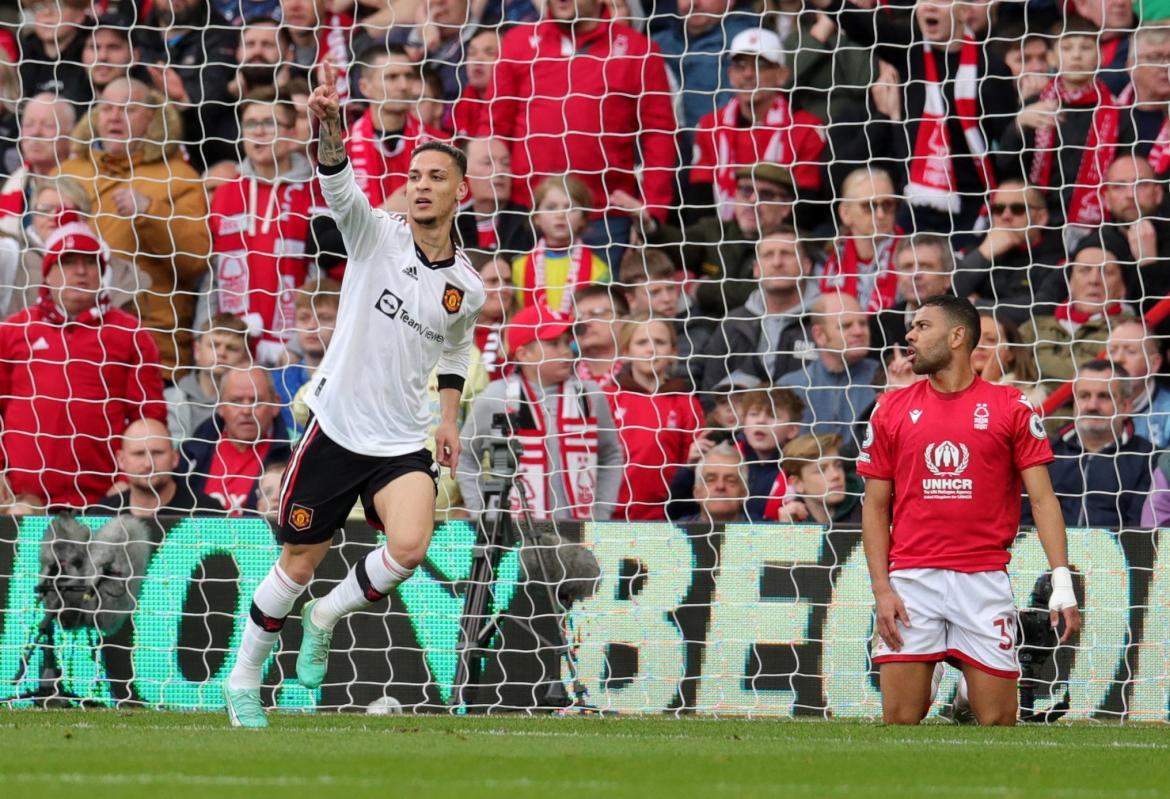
<point x="400" y="315"/>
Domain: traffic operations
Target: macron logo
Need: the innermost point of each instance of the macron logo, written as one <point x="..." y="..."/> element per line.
<point x="40" y="344"/>
<point x="914" y="416"/>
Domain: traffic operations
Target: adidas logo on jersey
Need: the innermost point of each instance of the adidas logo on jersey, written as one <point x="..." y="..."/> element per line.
<point x="411" y="272"/>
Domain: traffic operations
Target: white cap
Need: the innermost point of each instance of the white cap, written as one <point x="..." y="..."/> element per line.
<point x="758" y="42"/>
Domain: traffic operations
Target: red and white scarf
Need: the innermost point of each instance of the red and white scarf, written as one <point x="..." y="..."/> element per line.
<point x="932" y="170"/>
<point x="536" y="281"/>
<point x="488" y="339"/>
<point x="54" y="314"/>
<point x="605" y="381"/>
<point x="1085" y="207"/>
<point x="576" y="433"/>
<point x="1159" y="155"/>
<point x="874" y="283"/>
<point x="485" y="232"/>
<point x="728" y="128"/>
<point x="1071" y="319"/>
<point x="380" y="172"/>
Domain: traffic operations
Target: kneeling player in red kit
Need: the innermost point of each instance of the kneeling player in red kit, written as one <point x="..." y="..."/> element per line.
<point x="950" y="453"/>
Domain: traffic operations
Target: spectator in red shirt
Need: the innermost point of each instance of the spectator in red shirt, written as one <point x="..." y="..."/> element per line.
<point x="73" y="374"/>
<point x="381" y="142"/>
<point x="230" y="451"/>
<point x="318" y="33"/>
<point x="260" y="226"/>
<point x="757" y="124"/>
<point x="577" y="93"/>
<point x="470" y="110"/>
<point x="657" y="417"/>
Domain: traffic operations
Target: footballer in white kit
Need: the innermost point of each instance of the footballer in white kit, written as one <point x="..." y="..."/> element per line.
<point x="950" y="455"/>
<point x="409" y="304"/>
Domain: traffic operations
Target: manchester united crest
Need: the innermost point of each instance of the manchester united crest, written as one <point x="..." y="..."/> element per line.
<point x="452" y="299"/>
<point x="300" y="517"/>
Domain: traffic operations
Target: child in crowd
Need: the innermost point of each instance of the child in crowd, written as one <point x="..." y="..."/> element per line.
<point x="767" y="419"/>
<point x="496" y="273"/>
<point x="823" y="491"/>
<point x="658" y="417"/>
<point x="1070" y="132"/>
<point x="221" y="344"/>
<point x="314" y="320"/>
<point x="560" y="264"/>
<point x="652" y="285"/>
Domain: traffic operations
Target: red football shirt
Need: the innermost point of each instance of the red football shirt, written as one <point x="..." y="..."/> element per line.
<point x="955" y="462"/>
<point x="234" y="472"/>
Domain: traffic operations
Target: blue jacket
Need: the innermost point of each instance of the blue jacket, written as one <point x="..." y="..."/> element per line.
<point x="289" y="381"/>
<point x="1100" y="489"/>
<point x="761" y="475"/>
<point x="1153" y="422"/>
<point x="833" y="401"/>
<point x="698" y="65"/>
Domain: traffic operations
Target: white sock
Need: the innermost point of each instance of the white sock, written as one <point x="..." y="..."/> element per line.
<point x="272" y="602"/>
<point x="367" y="582"/>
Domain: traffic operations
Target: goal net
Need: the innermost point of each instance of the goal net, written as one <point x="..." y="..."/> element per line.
<point x="703" y="228"/>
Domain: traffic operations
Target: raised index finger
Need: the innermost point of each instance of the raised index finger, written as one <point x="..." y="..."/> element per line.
<point x="328" y="75"/>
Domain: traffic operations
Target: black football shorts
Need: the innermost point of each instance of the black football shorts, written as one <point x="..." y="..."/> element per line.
<point x="324" y="480"/>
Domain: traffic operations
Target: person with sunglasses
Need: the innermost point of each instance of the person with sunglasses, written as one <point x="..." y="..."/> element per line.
<point x="1017" y="263"/>
<point x="860" y="262"/>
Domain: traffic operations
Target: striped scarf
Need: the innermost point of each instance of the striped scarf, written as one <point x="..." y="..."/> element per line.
<point x="932" y="170"/>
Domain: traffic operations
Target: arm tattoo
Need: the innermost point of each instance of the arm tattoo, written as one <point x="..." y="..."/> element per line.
<point x="331" y="148"/>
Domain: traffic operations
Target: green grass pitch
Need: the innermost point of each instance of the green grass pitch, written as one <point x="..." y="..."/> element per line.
<point x="163" y="755"/>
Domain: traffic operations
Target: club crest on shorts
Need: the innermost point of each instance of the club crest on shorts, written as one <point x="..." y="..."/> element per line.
<point x="300" y="517"/>
<point x="452" y="299"/>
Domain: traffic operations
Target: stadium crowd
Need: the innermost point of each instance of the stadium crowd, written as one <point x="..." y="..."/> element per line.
<point x="703" y="226"/>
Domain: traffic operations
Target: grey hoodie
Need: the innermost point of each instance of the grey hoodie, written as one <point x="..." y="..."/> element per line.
<point x="610" y="460"/>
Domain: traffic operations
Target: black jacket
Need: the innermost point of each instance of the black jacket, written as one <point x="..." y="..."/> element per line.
<point x="896" y="38"/>
<point x="735" y="345"/>
<point x="185" y="502"/>
<point x="63" y="76"/>
<point x="1148" y="284"/>
<point x="1017" y="148"/>
<point x="1100" y="489"/>
<point x="205" y="60"/>
<point x="719" y="254"/>
<point x="514" y="233"/>
<point x="1018" y="279"/>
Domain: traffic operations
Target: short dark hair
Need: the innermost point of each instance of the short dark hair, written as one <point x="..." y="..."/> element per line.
<point x="268" y="95"/>
<point x="960" y="312"/>
<point x="620" y="306"/>
<point x="454" y="153"/>
<point x="114" y="23"/>
<point x="368" y="57"/>
<point x="1101" y="366"/>
<point x="1076" y="25"/>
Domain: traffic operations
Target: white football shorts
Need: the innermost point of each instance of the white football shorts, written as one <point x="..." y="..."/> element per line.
<point x="958" y="617"/>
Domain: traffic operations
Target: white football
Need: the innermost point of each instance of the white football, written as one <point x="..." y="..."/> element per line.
<point x="384" y="706"/>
